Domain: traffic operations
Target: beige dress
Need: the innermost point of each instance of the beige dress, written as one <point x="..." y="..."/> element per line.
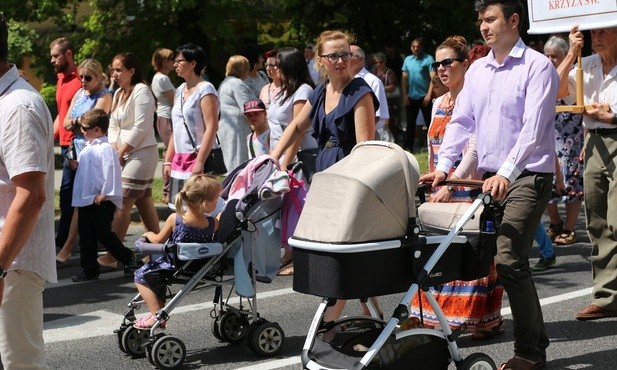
<point x="133" y="123"/>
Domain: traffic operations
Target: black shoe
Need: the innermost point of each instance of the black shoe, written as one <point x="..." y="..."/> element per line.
<point x="82" y="276"/>
<point x="545" y="263"/>
<point x="130" y="267"/>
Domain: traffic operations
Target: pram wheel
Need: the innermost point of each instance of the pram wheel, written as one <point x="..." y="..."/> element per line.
<point x="119" y="333"/>
<point x="132" y="340"/>
<point x="233" y="327"/>
<point x="477" y="361"/>
<point x="215" y="328"/>
<point x="266" y="338"/>
<point x="168" y="352"/>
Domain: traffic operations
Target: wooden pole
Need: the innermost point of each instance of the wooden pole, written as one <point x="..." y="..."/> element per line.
<point x="580" y="106"/>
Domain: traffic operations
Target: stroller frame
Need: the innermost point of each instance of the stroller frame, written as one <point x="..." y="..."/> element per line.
<point x="401" y="313"/>
<point x="230" y="324"/>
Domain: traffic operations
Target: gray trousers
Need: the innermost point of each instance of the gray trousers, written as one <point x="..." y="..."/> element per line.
<point x="523" y="206"/>
<point x="601" y="215"/>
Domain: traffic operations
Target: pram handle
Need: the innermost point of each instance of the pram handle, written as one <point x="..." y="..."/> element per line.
<point x="143" y="246"/>
<point x="456" y="182"/>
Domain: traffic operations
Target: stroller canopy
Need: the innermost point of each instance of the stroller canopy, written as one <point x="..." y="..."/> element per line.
<point x="367" y="196"/>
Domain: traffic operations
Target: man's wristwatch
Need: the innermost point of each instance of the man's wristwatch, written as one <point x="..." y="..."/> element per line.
<point x="2" y="273"/>
<point x="450" y="188"/>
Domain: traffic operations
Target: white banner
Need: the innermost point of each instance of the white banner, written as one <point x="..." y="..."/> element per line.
<point x="554" y="16"/>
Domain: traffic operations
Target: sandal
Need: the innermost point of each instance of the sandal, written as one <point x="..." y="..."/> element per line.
<point x="519" y="363"/>
<point x="146" y="323"/>
<point x="286" y="270"/>
<point x="491" y="333"/>
<point x="554" y="230"/>
<point x="567" y="237"/>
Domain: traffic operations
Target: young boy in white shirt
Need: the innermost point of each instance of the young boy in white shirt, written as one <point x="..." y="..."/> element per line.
<point x="258" y="140"/>
<point x="97" y="192"/>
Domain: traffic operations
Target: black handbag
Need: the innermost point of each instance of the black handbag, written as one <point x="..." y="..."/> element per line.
<point x="214" y="164"/>
<point x="308" y="158"/>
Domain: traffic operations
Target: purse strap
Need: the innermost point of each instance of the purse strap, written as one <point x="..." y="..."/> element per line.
<point x="188" y="132"/>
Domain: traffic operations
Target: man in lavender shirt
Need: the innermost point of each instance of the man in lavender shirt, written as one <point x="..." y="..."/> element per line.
<point x="509" y="101"/>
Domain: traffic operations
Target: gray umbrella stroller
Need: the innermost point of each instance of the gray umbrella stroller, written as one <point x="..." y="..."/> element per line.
<point x="246" y="250"/>
<point x="358" y="237"/>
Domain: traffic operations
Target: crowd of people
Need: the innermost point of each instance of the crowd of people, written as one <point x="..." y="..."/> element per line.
<point x="324" y="100"/>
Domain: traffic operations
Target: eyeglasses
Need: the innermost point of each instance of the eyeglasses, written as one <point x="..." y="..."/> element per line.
<point x="86" y="128"/>
<point x="178" y="61"/>
<point x="86" y="78"/>
<point x="334" y="57"/>
<point x="273" y="66"/>
<point x="445" y="63"/>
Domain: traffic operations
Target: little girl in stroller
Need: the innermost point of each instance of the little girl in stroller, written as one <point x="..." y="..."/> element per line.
<point x="200" y="194"/>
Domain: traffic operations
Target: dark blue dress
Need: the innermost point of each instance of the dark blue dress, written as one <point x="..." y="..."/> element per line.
<point x="181" y="234"/>
<point x="336" y="131"/>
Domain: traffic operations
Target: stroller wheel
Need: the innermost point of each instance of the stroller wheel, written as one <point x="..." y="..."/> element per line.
<point x="168" y="352"/>
<point x="132" y="340"/>
<point x="215" y="328"/>
<point x="233" y="327"/>
<point x="267" y="339"/>
<point x="477" y="361"/>
<point x="119" y="342"/>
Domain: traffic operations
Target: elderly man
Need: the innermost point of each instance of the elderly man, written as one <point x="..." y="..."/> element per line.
<point x="600" y="151"/>
<point x="26" y="215"/>
<point x="517" y="167"/>
<point x="358" y="59"/>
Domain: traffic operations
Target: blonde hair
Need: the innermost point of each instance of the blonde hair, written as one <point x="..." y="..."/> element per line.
<point x="160" y="56"/>
<point x="93" y="66"/>
<point x="237" y="66"/>
<point x="197" y="190"/>
<point x="330" y="35"/>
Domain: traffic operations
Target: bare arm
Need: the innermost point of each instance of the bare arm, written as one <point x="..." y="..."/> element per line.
<point x="164" y="234"/>
<point x="364" y="116"/>
<point x="405" y="87"/>
<point x="576" y="44"/>
<point x="104" y="103"/>
<point x="291" y="152"/>
<point x="169" y="94"/>
<point x="21" y="217"/>
<point x="68" y="122"/>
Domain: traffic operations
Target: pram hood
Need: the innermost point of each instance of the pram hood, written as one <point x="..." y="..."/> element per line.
<point x="367" y="196"/>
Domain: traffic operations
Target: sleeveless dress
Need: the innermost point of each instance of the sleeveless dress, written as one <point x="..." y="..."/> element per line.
<point x="181" y="234"/>
<point x="336" y="131"/>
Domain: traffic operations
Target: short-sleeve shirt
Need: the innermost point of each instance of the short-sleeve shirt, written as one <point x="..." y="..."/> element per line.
<point x="418" y="75"/>
<point x="67" y="86"/>
<point x="280" y="114"/>
<point x="160" y="84"/>
<point x="26" y="145"/>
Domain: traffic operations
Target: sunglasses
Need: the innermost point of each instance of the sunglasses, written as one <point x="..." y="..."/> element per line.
<point x="334" y="57"/>
<point x="445" y="63"/>
<point x="86" y="128"/>
<point x="86" y="78"/>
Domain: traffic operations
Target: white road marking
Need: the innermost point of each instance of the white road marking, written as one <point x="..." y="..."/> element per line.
<point x="100" y="323"/>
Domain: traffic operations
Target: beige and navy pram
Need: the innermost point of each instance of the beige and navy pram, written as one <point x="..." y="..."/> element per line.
<point x="358" y="236"/>
<point x="246" y="250"/>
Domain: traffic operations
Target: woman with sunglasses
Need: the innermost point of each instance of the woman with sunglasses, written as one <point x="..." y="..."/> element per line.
<point x="477" y="303"/>
<point x="341" y="112"/>
<point x="92" y="95"/>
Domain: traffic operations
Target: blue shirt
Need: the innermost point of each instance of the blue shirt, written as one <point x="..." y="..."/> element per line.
<point x="418" y="75"/>
<point x="511" y="107"/>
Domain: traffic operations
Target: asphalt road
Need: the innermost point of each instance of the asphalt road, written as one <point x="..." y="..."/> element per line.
<point x="80" y="319"/>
